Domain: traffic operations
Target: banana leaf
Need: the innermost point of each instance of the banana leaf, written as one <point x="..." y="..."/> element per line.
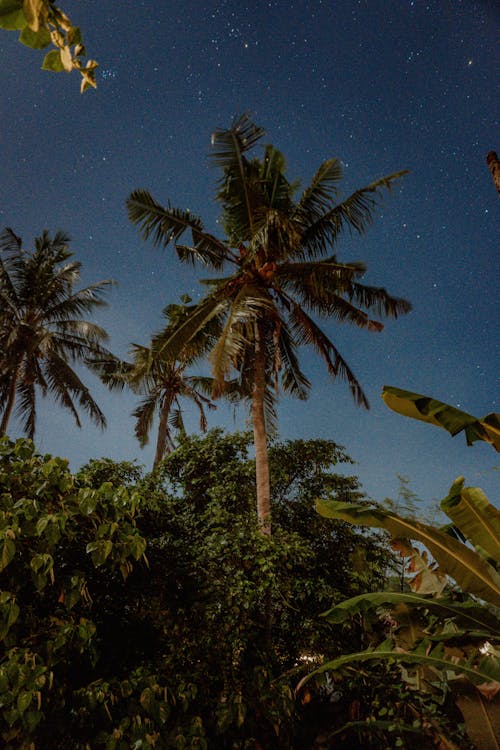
<point x="443" y="415"/>
<point x="468" y="613"/>
<point x="479" y="521"/>
<point x="486" y="671"/>
<point x="469" y="569"/>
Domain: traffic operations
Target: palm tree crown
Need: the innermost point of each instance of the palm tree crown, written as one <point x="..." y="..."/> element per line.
<point x="283" y="275"/>
<point x="41" y="329"/>
<point x="161" y="381"/>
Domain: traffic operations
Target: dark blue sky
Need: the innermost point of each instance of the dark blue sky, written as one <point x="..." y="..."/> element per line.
<point x="384" y="85"/>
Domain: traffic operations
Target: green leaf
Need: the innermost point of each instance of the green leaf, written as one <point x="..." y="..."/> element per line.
<point x="443" y="415"/>
<point x="8" y="552"/>
<point x="487" y="670"/>
<point x="471" y="511"/>
<point x="474" y="574"/>
<point x="12" y="15"/>
<point x="9" y="611"/>
<point x="467" y="613"/>
<point x="100" y="551"/>
<point x="87" y="501"/>
<point x="23" y="701"/>
<point x="35" y="39"/>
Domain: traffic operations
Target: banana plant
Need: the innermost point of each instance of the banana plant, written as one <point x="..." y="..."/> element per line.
<point x="475" y="518"/>
<point x="459" y="641"/>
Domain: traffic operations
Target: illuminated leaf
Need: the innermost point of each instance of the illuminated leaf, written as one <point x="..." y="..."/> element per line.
<point x="443" y="415"/>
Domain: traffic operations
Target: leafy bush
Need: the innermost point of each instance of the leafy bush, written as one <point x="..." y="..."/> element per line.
<point x="149" y="611"/>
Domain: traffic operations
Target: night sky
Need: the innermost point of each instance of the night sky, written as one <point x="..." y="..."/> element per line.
<point x="384" y="85"/>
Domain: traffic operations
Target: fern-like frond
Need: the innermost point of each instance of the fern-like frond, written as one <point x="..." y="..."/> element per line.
<point x="166" y="225"/>
<point x="305" y="331"/>
<point x="319" y="195"/>
<point x="354" y="214"/>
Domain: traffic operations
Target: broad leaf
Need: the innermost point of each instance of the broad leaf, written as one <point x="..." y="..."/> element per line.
<point x="488" y="669"/>
<point x="435" y="412"/>
<point x="475" y="516"/>
<point x="12" y="15"/>
<point x="35" y="39"/>
<point x="467" y="613"/>
<point x="471" y="571"/>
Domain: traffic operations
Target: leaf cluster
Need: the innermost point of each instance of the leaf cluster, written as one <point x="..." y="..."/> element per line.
<point x="41" y="23"/>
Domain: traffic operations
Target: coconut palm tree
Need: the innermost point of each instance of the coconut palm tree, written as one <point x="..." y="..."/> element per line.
<point x="283" y="272"/>
<point x="162" y="382"/>
<point x="42" y="332"/>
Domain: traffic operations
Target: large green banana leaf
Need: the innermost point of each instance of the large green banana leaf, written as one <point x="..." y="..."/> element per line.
<point x="479" y="521"/>
<point x="466" y="614"/>
<point x="487" y="670"/>
<point x="435" y="412"/>
<point x="469" y="569"/>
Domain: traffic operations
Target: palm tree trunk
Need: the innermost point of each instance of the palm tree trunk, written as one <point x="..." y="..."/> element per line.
<point x="9" y="405"/>
<point x="161" y="441"/>
<point x="259" y="434"/>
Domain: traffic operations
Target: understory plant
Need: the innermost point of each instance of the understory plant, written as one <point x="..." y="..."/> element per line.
<point x="443" y="631"/>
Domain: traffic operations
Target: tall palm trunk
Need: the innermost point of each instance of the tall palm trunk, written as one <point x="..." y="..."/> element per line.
<point x="10" y="403"/>
<point x="259" y="434"/>
<point x="161" y="441"/>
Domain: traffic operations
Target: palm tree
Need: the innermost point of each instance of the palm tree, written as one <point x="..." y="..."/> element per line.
<point x="41" y="329"/>
<point x="283" y="273"/>
<point x="162" y="381"/>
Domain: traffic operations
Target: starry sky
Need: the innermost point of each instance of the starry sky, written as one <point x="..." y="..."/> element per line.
<point x="384" y="85"/>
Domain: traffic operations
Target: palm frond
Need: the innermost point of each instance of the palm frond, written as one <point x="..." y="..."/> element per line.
<point x="228" y="153"/>
<point x="176" y="420"/>
<point x="251" y="302"/>
<point x="378" y="299"/>
<point x="270" y="413"/>
<point x="229" y="144"/>
<point x="305" y="331"/>
<point x="81" y="302"/>
<point x="293" y="379"/>
<point x="112" y="371"/>
<point x="323" y="190"/>
<point x="170" y="343"/>
<point x="26" y="407"/>
<point x="354" y="214"/>
<point x="144" y="416"/>
<point x="167" y="225"/>
<point x="65" y="385"/>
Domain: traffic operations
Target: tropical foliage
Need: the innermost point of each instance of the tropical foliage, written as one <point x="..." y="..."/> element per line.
<point x="131" y="609"/>
<point x="438" y="632"/>
<point x="41" y="23"/>
<point x="42" y="332"/>
<point x="282" y="274"/>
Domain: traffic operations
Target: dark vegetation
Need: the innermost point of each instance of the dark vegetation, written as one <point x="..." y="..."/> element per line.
<point x="113" y="641"/>
<point x="157" y="610"/>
